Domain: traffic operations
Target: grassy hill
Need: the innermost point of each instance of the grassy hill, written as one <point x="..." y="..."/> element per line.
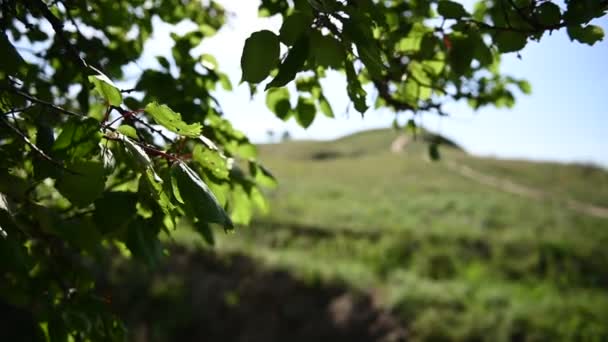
<point x="453" y="257"/>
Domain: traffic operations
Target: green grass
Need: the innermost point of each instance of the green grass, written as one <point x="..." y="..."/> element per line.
<point x="456" y="259"/>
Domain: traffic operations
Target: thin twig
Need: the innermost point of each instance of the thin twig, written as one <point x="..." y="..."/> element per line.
<point x="39" y="101"/>
<point x="129" y="114"/>
<point x="57" y="25"/>
<point x="34" y="147"/>
<point x="16" y="110"/>
<point x="128" y="91"/>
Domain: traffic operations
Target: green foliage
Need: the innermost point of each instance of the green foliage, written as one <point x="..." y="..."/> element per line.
<point x="260" y="56"/>
<point x="380" y="43"/>
<point x="198" y="199"/>
<point x="451" y="10"/>
<point x="589" y="34"/>
<point x="163" y="115"/>
<point x="296" y="57"/>
<point x="106" y="88"/>
<point x="87" y="168"/>
<point x="277" y="100"/>
<point x="83" y="183"/>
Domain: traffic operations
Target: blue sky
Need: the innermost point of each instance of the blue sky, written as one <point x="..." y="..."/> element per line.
<point x="565" y="118"/>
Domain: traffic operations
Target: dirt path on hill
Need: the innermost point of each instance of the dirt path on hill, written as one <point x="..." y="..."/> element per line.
<point x="509" y="186"/>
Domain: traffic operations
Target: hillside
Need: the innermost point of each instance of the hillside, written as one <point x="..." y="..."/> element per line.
<point x="447" y="255"/>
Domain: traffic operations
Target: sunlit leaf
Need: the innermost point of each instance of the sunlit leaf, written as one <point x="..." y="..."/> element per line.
<point x="166" y="117"/>
<point x="277" y="100"/>
<point x="589" y="34"/>
<point x="211" y="160"/>
<point x="77" y="139"/>
<point x="305" y="111"/>
<point x="128" y="130"/>
<point x="262" y="175"/>
<point x="106" y="88"/>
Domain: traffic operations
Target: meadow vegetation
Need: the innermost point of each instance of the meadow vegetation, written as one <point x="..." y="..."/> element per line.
<point x="452" y="258"/>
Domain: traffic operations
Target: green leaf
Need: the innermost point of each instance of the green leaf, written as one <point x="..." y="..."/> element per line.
<point x="247" y="150"/>
<point x="589" y="34"/>
<point x="211" y="160"/>
<point x="370" y="56"/>
<point x="175" y="190"/>
<point x="483" y="53"/>
<point x="260" y="56"/>
<point x="548" y="14"/>
<point x="78" y="138"/>
<point x="410" y="92"/>
<point x="461" y="54"/>
<point x="305" y="112"/>
<point x="166" y="117"/>
<point x="259" y="200"/>
<point x="262" y="175"/>
<point x="241" y="205"/>
<point x="582" y="11"/>
<point x="509" y="41"/>
<point x="85" y="185"/>
<point x="357" y="29"/>
<point x="277" y="100"/>
<point x="155" y="188"/>
<point x="294" y="26"/>
<point x="428" y="46"/>
<point x="296" y="57"/>
<point x="421" y="76"/>
<point x="451" y="10"/>
<point x="225" y="82"/>
<point x="198" y="198"/>
<point x="107" y="158"/>
<point x="136" y="154"/>
<point x="128" y="130"/>
<point x="164" y="62"/>
<point x="525" y="87"/>
<point x="106" y="88"/>
<point x="326" y="51"/>
<point x="413" y="40"/>
<point x="325" y="107"/>
<point x="354" y="89"/>
<point x="209" y="61"/>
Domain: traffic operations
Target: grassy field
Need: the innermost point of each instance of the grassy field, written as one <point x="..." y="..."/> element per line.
<point x="453" y="258"/>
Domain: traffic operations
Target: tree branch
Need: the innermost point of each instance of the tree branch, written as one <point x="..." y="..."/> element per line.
<point x="57" y="25"/>
<point x="34" y="147"/>
<point x="39" y="101"/>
